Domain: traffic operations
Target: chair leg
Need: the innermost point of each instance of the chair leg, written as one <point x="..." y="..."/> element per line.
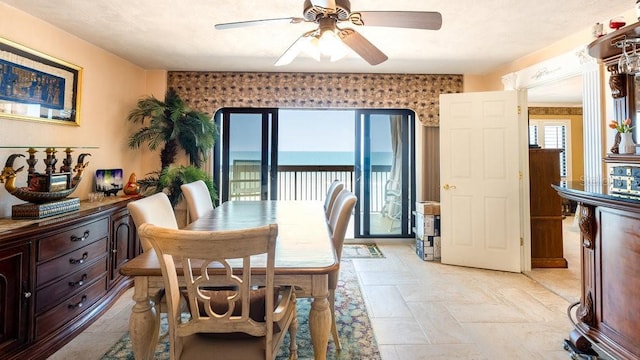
<point x="334" y="328"/>
<point x="293" y="331"/>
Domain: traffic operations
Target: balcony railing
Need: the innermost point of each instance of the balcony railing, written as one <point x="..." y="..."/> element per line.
<point x="300" y="182"/>
<point x="304" y="182"/>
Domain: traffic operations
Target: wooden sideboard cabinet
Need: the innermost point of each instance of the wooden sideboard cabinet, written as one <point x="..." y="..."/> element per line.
<point x="546" y="209"/>
<point x="15" y="295"/>
<point x="57" y="275"/>
<point x="124" y="243"/>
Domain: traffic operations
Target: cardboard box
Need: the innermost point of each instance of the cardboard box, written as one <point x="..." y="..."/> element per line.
<point x="428" y="207"/>
<point x="428" y="249"/>
<point x="437" y="250"/>
<point x="427" y="225"/>
<point x="420" y="251"/>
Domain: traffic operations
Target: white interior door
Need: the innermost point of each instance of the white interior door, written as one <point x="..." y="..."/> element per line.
<point x="481" y="196"/>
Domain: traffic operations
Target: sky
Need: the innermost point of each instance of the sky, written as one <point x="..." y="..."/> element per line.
<point x="310" y="130"/>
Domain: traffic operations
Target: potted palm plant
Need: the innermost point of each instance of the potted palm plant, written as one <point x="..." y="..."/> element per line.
<point x="172" y="177"/>
<point x="170" y="125"/>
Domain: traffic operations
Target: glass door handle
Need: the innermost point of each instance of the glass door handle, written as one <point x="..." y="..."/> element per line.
<point x="448" y="187"/>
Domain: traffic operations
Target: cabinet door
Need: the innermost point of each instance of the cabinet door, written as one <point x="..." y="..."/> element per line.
<point x="123" y="244"/>
<point x="15" y="296"/>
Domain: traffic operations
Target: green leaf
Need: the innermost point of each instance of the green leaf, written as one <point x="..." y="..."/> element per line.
<point x="172" y="120"/>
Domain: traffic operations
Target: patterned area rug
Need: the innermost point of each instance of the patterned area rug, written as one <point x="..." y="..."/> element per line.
<point x="356" y="335"/>
<point x="359" y="251"/>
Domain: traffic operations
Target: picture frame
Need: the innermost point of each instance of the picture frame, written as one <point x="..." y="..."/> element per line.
<point x="38" y="87"/>
<point x="109" y="181"/>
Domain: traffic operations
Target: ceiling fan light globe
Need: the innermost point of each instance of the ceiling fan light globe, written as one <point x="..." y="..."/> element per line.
<point x="284" y="60"/>
<point x="328" y="42"/>
<point x="312" y="48"/>
<point x="339" y="52"/>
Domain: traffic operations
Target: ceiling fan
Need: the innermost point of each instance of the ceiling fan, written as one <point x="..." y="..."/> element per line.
<point x="327" y="14"/>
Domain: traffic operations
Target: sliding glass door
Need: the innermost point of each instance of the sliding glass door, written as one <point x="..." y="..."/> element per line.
<point x="293" y="154"/>
<point x="246" y="165"/>
<point x="384" y="173"/>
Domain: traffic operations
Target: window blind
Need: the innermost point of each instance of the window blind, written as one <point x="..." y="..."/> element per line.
<point x="551" y="135"/>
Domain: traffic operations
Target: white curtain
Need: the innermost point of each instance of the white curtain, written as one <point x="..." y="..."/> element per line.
<point x="396" y="148"/>
<point x="393" y="188"/>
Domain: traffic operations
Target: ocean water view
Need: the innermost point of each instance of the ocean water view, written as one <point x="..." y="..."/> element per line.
<point x="314" y="157"/>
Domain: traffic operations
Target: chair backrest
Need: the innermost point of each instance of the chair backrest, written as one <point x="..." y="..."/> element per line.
<point x="226" y="257"/>
<point x="155" y="209"/>
<point x="333" y="191"/>
<point x="340" y="217"/>
<point x="198" y="199"/>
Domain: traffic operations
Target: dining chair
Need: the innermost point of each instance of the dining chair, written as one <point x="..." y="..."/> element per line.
<point x="333" y="191"/>
<point x="242" y="322"/>
<point x="338" y="223"/>
<point x="198" y="199"/>
<point x="155" y="209"/>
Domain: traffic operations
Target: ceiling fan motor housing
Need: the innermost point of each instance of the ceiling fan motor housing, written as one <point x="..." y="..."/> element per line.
<point x="314" y="13"/>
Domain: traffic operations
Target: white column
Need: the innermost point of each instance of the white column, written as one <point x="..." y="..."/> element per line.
<point x="593" y="115"/>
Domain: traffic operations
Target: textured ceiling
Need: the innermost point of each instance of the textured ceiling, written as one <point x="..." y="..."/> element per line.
<point x="475" y="38"/>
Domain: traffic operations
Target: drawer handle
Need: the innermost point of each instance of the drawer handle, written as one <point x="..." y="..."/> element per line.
<point x="586" y="243"/>
<point x="83" y="238"/>
<point x="79" y="304"/>
<point x="79" y="282"/>
<point x="81" y="260"/>
<point x="27" y="294"/>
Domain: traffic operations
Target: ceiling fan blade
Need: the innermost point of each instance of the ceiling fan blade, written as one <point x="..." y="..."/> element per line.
<point x="240" y="24"/>
<point x="425" y="20"/>
<point x="295" y="49"/>
<point x="369" y="52"/>
<point x="325" y="4"/>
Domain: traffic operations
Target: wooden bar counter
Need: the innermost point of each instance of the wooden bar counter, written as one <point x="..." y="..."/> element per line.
<point x="609" y="310"/>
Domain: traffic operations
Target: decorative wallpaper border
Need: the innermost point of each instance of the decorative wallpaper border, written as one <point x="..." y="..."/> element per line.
<point x="210" y="91"/>
<point x="555" y="111"/>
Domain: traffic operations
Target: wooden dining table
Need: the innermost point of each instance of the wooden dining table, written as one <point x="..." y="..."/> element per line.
<point x="304" y="257"/>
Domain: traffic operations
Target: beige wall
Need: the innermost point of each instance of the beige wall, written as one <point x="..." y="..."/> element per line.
<point x="476" y="83"/>
<point x="109" y="89"/>
<point x="493" y="80"/>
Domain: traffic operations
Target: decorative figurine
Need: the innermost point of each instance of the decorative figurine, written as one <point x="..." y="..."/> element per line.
<point x="132" y="187"/>
<point x="42" y="187"/>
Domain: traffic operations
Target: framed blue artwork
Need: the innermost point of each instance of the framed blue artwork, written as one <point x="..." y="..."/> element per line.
<point x="34" y="86"/>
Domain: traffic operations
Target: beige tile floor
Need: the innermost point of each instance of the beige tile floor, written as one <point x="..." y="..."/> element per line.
<point x="564" y="282"/>
<point x="427" y="310"/>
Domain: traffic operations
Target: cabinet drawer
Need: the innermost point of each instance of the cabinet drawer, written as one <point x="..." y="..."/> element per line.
<point x="67" y="310"/>
<point x="70" y="285"/>
<point x="72" y="239"/>
<point x="70" y="262"/>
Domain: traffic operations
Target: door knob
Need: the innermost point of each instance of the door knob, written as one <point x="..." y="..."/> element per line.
<point x="448" y="187"/>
